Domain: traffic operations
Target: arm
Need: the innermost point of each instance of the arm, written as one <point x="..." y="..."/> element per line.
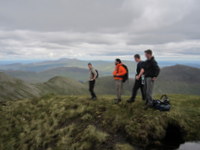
<point x="94" y="74"/>
<point x="140" y="74"/>
<point x="114" y="72"/>
<point x="156" y="69"/>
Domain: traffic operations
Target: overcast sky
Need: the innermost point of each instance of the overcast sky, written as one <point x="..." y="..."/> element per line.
<point x="99" y="29"/>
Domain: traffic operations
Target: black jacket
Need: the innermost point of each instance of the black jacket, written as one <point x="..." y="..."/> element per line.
<point x="151" y="68"/>
<point x="139" y="67"/>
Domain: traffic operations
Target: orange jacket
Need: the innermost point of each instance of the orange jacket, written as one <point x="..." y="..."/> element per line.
<point x="119" y="71"/>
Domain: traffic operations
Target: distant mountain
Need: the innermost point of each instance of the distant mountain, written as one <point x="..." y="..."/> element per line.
<point x="62" y="86"/>
<point x="11" y="88"/>
<point x="76" y="69"/>
<point x="46" y="65"/>
<point x="78" y="74"/>
<point x="181" y="73"/>
<point x="41" y="66"/>
<point x="195" y="63"/>
<point x="73" y="68"/>
<point x="177" y="79"/>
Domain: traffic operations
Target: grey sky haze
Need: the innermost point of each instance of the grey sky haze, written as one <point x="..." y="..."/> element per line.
<point x="99" y="29"/>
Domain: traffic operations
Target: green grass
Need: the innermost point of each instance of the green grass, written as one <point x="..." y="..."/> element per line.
<point x="76" y="123"/>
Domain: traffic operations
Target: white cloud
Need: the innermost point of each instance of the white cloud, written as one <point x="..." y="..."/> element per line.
<point x="48" y="45"/>
<point x="154" y="14"/>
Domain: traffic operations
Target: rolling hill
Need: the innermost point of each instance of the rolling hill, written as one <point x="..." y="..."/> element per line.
<point x="11" y="88"/>
<point x="78" y="74"/>
<point x="176" y="79"/>
<point x="62" y="86"/>
<point x="73" y="68"/>
<point x="64" y="62"/>
<point x="172" y="80"/>
<point x="181" y="73"/>
<point x="179" y="79"/>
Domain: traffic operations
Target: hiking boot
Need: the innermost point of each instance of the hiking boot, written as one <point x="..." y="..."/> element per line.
<point x="147" y="106"/>
<point x="94" y="98"/>
<point x="146" y="102"/>
<point x="130" y="101"/>
<point x="117" y="101"/>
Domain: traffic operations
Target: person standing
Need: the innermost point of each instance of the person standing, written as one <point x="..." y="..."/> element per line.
<point x="151" y="71"/>
<point x="118" y="74"/>
<point x="139" y="83"/>
<point x="92" y="80"/>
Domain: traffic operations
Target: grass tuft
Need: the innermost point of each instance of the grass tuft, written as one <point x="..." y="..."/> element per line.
<point x="68" y="122"/>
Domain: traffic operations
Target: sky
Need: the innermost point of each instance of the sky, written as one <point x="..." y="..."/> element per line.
<point x="99" y="29"/>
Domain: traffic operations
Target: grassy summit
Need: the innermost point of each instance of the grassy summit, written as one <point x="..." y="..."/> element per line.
<point x="76" y="123"/>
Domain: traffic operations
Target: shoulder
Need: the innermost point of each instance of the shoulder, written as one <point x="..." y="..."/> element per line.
<point x="143" y="63"/>
<point x="92" y="69"/>
<point x="154" y="61"/>
<point x="122" y="66"/>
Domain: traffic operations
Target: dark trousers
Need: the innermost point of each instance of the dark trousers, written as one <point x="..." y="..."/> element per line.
<point x="138" y="85"/>
<point x="91" y="88"/>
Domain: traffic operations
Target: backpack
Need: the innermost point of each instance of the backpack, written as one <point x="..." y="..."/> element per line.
<point x="163" y="104"/>
<point x="97" y="74"/>
<point x="126" y="76"/>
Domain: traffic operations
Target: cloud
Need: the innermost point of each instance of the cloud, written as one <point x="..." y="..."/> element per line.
<point x="94" y="29"/>
<point x="47" y="45"/>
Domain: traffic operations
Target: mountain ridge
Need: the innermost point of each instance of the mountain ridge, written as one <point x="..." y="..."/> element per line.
<point x="177" y="79"/>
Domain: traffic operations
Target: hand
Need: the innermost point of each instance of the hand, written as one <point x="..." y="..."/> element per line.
<point x="154" y="78"/>
<point x="137" y="77"/>
<point x="116" y="75"/>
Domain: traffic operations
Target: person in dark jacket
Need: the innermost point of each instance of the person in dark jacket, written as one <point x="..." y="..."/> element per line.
<point x="151" y="71"/>
<point x="139" y="83"/>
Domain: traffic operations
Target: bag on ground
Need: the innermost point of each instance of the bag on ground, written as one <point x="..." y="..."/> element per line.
<point x="163" y="104"/>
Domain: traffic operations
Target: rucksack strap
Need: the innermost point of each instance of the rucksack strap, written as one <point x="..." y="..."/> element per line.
<point x="164" y="97"/>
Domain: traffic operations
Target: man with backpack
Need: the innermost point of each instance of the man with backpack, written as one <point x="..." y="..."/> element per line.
<point x="92" y="79"/>
<point x="151" y="71"/>
<point x="120" y="75"/>
<point x="139" y="83"/>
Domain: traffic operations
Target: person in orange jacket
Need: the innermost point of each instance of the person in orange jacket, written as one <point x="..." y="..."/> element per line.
<point x="118" y="74"/>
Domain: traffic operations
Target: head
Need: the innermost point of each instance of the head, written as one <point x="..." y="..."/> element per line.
<point x="148" y="54"/>
<point x="117" y="61"/>
<point x="137" y="58"/>
<point x="89" y="65"/>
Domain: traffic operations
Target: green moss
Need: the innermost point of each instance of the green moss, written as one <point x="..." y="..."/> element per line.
<point x="87" y="117"/>
<point x="68" y="122"/>
<point x="94" y="135"/>
<point x="123" y="147"/>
